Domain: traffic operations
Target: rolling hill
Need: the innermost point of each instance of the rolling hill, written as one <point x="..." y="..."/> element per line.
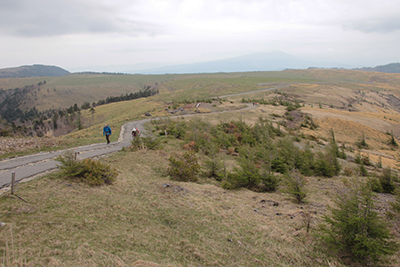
<point x="389" y="68"/>
<point x="33" y="71"/>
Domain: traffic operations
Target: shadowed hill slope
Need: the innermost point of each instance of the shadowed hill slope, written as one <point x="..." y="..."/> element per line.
<point x="32" y="71"/>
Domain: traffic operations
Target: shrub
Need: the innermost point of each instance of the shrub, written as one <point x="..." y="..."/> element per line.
<point x="304" y="161"/>
<point x="375" y="185"/>
<point x="394" y="210"/>
<point x="278" y="164"/>
<point x="69" y="165"/>
<point x="151" y="142"/>
<point x="347" y="171"/>
<point x="147" y="141"/>
<point x="342" y="153"/>
<point x="246" y="176"/>
<point x="379" y="163"/>
<point x="214" y="165"/>
<point x="137" y="143"/>
<point x="363" y="159"/>
<point x="184" y="167"/>
<point x="294" y="184"/>
<point x="327" y="164"/>
<point x="89" y="171"/>
<point x="323" y="167"/>
<point x="386" y="180"/>
<point x="355" y="230"/>
<point x="270" y="182"/>
<point x="392" y="142"/>
<point x="363" y="170"/>
<point x="97" y="173"/>
<point x="362" y="143"/>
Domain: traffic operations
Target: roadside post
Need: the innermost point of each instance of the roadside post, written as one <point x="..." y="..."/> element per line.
<point x="13" y="186"/>
<point x="12" y="182"/>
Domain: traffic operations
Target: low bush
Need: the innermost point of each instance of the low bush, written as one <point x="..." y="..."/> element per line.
<point x="375" y="185"/>
<point x="88" y="171"/>
<point x="387" y="181"/>
<point x="184" y="167"/>
<point x="147" y="141"/>
<point x="362" y="143"/>
<point x="294" y="185"/>
<point x="347" y="171"/>
<point x="214" y="167"/>
<point x="363" y="170"/>
<point x="270" y="182"/>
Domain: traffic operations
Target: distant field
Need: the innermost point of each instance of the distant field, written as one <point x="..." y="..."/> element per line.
<point x="363" y="97"/>
<point x="77" y="88"/>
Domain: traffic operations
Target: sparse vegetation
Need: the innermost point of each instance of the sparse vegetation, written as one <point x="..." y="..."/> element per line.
<point x="175" y="206"/>
<point x="362" y="143"/>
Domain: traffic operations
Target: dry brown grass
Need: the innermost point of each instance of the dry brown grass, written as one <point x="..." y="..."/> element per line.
<point x="349" y="128"/>
<point x="140" y="221"/>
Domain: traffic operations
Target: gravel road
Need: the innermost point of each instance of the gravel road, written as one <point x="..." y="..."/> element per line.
<point x="30" y="166"/>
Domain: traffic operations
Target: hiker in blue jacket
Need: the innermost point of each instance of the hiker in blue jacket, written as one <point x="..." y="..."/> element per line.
<point x="107" y="132"/>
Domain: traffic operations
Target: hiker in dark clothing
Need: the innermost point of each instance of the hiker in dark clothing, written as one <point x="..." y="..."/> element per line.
<point x="107" y="132"/>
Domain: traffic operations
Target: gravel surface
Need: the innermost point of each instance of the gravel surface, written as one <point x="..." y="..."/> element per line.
<point x="8" y="145"/>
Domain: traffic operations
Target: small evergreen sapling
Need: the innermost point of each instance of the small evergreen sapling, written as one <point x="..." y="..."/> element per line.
<point x="294" y="184"/>
<point x="354" y="229"/>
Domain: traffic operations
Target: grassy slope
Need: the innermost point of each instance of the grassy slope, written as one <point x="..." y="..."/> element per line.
<point x="139" y="219"/>
<point x="196" y="224"/>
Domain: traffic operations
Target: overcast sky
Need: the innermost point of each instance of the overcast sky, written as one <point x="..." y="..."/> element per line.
<point x="77" y="34"/>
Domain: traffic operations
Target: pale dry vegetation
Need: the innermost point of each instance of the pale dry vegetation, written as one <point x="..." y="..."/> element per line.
<point x="144" y="216"/>
<point x="146" y="219"/>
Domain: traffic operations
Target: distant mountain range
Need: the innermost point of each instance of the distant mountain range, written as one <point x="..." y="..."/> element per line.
<point x="274" y="61"/>
<point x="389" y="68"/>
<point x="32" y="71"/>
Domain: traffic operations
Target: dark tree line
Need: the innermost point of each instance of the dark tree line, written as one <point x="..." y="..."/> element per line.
<point x="12" y="99"/>
<point x="31" y="122"/>
<point x="142" y="93"/>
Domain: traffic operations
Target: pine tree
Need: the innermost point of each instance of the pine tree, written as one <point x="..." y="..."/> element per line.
<point x="355" y="230"/>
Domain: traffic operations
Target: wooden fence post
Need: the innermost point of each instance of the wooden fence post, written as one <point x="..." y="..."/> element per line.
<point x="12" y="182"/>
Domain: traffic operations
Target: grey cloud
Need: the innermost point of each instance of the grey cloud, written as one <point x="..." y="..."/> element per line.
<point x="52" y="18"/>
<point x="381" y="25"/>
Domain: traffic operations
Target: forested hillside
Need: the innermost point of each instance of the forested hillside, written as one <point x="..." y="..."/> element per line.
<point x="14" y="120"/>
